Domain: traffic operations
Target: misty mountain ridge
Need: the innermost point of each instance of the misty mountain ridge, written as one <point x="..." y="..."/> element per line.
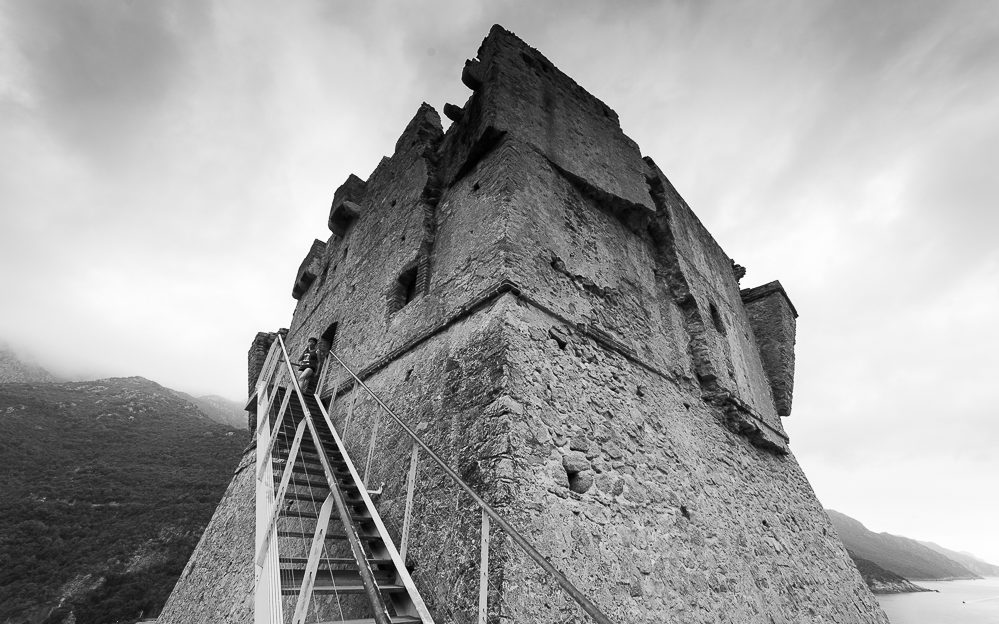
<point x="904" y="556"/>
<point x="108" y="485"/>
<point x="14" y="369"/>
<point x="968" y="560"/>
<point x="220" y="409"/>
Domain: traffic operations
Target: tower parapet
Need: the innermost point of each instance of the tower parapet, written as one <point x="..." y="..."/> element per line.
<point x="773" y="319"/>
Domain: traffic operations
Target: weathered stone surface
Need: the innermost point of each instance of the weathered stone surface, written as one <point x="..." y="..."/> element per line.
<point x="578" y="351"/>
<point x="522" y="94"/>
<point x="217" y="583"/>
<point x="346" y="205"/>
<point x="581" y="481"/>
<point x="309" y="269"/>
<point x="452" y="112"/>
<point x="256" y="355"/>
<point x="772" y="317"/>
<point x="575" y="462"/>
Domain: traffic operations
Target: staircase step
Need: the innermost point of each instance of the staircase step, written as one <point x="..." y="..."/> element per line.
<point x="308" y="448"/>
<point x="302" y="562"/>
<point x="313" y="515"/>
<point x="395" y="619"/>
<point x="319" y="482"/>
<point x="288" y="429"/>
<point x="327" y="587"/>
<point x="341" y="576"/>
<point x="310" y="497"/>
<point x="333" y="536"/>
<point x="311" y="468"/>
<point x="311" y="455"/>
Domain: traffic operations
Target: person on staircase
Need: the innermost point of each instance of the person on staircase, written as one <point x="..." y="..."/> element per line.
<point x="308" y="364"/>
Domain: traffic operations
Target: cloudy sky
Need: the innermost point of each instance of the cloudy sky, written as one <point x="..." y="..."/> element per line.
<point x="164" y="167"/>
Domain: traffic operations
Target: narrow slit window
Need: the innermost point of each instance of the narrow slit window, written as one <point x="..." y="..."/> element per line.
<point x="716" y="319"/>
<point x="403" y="290"/>
<point x="328" y="340"/>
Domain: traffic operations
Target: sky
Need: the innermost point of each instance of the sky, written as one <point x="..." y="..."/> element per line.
<point x="164" y="167"/>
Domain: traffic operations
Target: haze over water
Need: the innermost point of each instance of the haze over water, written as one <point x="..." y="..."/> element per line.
<point x="957" y="602"/>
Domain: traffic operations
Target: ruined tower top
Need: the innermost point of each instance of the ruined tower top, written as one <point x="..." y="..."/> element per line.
<point x="535" y="186"/>
<point x="520" y="93"/>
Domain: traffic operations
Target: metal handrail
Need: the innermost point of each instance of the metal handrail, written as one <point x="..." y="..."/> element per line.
<point x="581" y="599"/>
<point x="267" y="585"/>
<point x="381" y="615"/>
<point x="397" y="559"/>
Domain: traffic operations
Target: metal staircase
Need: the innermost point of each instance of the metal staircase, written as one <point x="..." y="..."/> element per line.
<point x="323" y="550"/>
<point x="323" y="553"/>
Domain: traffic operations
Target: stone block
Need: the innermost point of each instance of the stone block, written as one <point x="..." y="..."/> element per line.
<point x="310" y="268"/>
<point x="574" y="462"/>
<point x="773" y="319"/>
<point x="346" y="205"/>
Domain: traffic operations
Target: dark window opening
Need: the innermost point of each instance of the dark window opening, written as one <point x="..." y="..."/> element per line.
<point x="341" y="220"/>
<point x="716" y="319"/>
<point x="403" y="290"/>
<point x="408" y="283"/>
<point x="328" y="339"/>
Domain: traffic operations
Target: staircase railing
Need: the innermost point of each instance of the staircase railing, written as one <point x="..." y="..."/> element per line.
<point x="268" y="589"/>
<point x="488" y="513"/>
<point x="268" y="608"/>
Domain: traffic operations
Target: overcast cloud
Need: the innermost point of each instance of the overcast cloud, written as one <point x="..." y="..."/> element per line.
<point x="164" y="167"/>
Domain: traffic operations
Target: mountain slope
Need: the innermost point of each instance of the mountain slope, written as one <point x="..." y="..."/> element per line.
<point x="901" y="555"/>
<point x="968" y="560"/>
<point x="15" y="370"/>
<point x="882" y="581"/>
<point x="222" y="410"/>
<point x="107" y="486"/>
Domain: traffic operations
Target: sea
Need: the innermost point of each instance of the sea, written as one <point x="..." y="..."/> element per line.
<point x="954" y="602"/>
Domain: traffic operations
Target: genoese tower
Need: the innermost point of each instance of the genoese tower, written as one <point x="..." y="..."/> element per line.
<point x="544" y="397"/>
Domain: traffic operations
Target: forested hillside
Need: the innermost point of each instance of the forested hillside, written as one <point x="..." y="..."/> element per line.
<point x="106" y="486"/>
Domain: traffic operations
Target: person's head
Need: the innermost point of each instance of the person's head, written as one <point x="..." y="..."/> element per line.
<point x="312" y="343"/>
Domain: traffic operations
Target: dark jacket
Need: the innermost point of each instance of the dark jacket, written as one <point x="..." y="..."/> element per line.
<point x="309" y="359"/>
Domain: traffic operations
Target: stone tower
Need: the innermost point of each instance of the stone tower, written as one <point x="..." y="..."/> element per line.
<point x="534" y="297"/>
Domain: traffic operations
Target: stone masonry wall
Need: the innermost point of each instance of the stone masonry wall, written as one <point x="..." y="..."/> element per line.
<point x="626" y="480"/>
<point x="217" y="582"/>
<point x="447" y="389"/>
<point x="581" y="210"/>
<point x="255" y="357"/>
<point x="772" y="317"/>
